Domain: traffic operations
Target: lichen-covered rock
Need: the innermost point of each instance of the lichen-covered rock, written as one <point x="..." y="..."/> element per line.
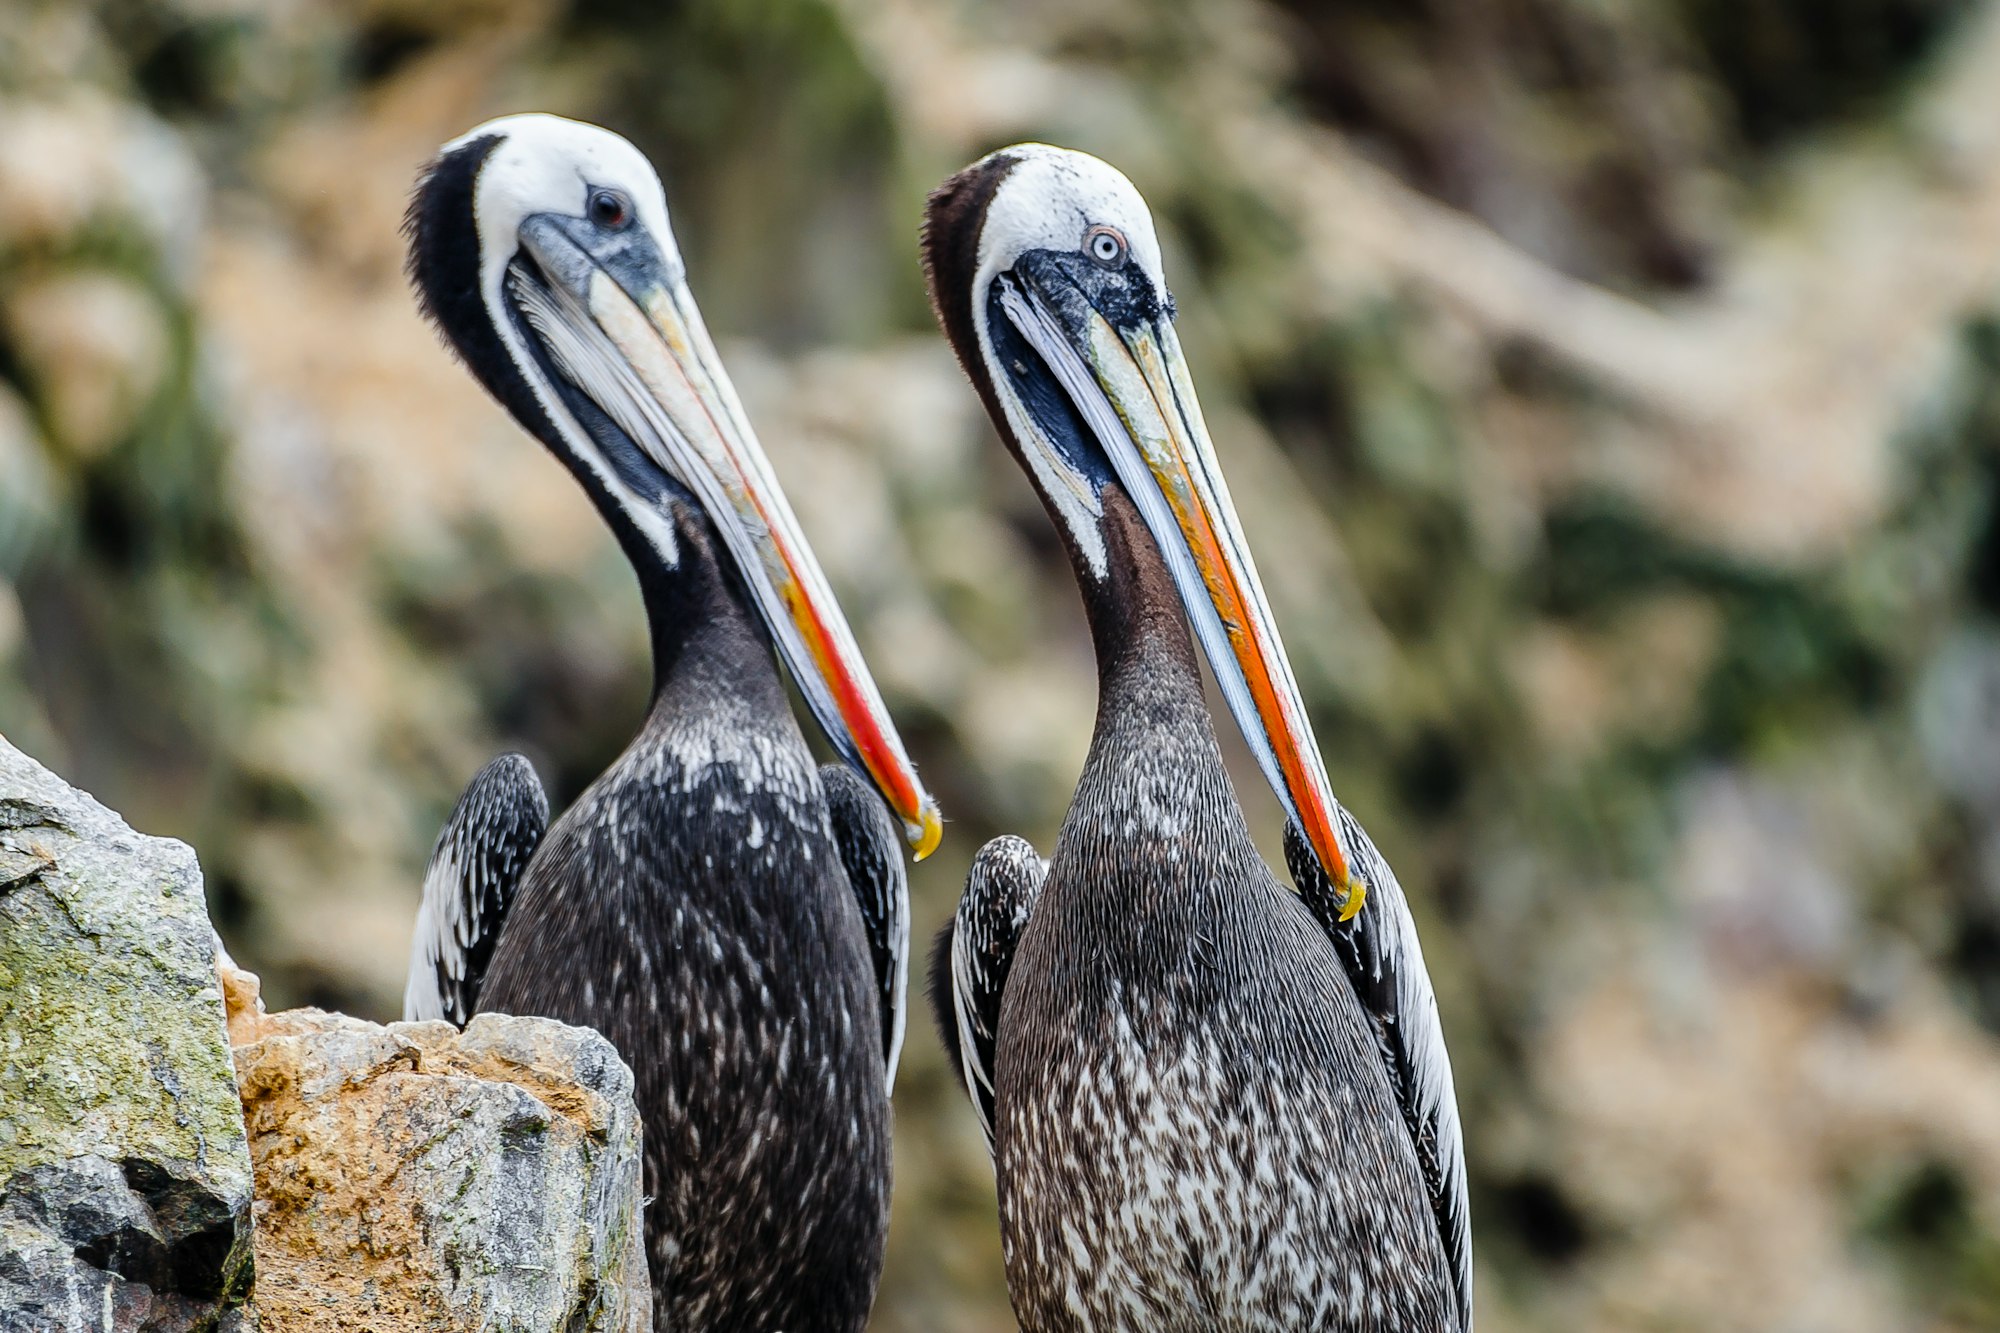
<point x="413" y="1176"/>
<point x="124" y="1173"/>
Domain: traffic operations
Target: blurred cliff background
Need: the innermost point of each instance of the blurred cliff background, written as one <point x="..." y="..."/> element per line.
<point x="1612" y="393"/>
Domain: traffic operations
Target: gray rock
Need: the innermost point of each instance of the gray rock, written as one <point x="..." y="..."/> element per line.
<point x="124" y="1171"/>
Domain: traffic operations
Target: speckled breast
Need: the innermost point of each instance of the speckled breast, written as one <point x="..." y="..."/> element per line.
<point x="1195" y="1132"/>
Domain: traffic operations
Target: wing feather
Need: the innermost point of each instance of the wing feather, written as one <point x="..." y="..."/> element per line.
<point x="970" y="962"/>
<point x="474" y="869"/>
<point x="1385" y="963"/>
<point x="872" y="855"/>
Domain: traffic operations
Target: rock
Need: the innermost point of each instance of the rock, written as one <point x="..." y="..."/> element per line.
<point x="412" y="1176"/>
<point x="406" y="1177"/>
<point x="124" y="1172"/>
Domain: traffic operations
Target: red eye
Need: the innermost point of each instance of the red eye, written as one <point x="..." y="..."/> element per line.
<point x="608" y="208"/>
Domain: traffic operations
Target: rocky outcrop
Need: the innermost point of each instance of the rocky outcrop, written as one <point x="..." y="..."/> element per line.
<point x="405" y="1177"/>
<point x="412" y="1176"/>
<point x="124" y="1172"/>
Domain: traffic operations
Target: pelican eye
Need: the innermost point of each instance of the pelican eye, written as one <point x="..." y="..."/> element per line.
<point x="609" y="208"/>
<point x="1105" y="245"/>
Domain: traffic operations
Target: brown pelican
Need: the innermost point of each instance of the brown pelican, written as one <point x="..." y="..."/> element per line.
<point x="731" y="916"/>
<point x="1213" y="1103"/>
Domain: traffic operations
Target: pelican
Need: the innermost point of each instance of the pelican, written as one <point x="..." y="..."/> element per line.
<point x="733" y="917"/>
<point x="1213" y="1103"/>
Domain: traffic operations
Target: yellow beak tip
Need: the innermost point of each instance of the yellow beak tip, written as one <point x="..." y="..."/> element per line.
<point x="1357" y="895"/>
<point x="926" y="831"/>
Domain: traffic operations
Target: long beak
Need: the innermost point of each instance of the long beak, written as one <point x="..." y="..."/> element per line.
<point x="1131" y="384"/>
<point x="628" y="333"/>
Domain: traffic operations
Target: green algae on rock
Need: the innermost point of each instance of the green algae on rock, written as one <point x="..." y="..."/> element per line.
<point x="124" y="1170"/>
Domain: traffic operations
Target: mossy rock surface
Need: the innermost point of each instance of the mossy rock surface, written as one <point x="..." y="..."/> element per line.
<point x="125" y="1177"/>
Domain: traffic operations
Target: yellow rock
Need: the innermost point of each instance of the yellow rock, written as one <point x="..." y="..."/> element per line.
<point x="413" y="1176"/>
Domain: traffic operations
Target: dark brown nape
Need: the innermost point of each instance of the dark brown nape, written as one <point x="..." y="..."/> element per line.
<point x="953" y="219"/>
<point x="443" y="239"/>
<point x="444" y="269"/>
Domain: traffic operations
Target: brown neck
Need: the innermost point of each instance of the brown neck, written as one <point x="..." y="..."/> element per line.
<point x="1154" y="827"/>
<point x="1136" y="621"/>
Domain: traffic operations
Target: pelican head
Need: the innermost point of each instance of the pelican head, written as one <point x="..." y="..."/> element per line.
<point x="1046" y="275"/>
<point x="542" y="250"/>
